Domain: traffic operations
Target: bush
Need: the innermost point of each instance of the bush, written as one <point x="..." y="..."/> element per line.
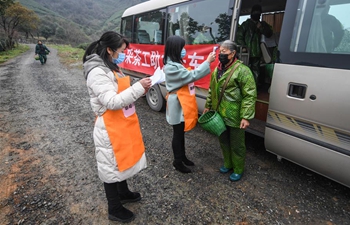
<point x="2" y="45"/>
<point x="83" y="46"/>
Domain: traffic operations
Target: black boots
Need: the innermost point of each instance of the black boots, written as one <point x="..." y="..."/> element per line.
<point x="181" y="167"/>
<point x="178" y="145"/>
<point x="117" y="194"/>
<point x="125" y="195"/>
<point x="187" y="162"/>
<point x="123" y="215"/>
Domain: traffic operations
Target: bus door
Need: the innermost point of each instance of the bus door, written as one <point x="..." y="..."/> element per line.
<point x="272" y="14"/>
<point x="308" y="120"/>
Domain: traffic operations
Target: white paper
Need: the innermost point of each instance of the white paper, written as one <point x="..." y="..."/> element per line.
<point x="158" y="76"/>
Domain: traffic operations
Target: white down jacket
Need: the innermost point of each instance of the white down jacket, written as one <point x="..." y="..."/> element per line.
<point x="102" y="87"/>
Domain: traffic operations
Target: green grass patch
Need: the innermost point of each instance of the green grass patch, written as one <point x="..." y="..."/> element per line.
<point x="69" y="56"/>
<point x="7" y="55"/>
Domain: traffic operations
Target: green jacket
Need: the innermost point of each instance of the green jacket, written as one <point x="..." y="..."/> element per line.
<point x="249" y="35"/>
<point x="41" y="49"/>
<point x="239" y="97"/>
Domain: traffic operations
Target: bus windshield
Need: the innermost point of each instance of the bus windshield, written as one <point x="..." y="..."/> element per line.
<point x="200" y="22"/>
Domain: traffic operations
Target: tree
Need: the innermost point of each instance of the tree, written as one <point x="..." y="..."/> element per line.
<point x="224" y="22"/>
<point x="4" y="4"/>
<point x="188" y="27"/>
<point x="16" y="15"/>
<point x="47" y="31"/>
<point x="47" y="27"/>
<point x="60" y="33"/>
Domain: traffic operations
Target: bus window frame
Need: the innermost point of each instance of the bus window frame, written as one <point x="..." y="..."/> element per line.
<point x="132" y="27"/>
<point x="329" y="60"/>
<point x="161" y="26"/>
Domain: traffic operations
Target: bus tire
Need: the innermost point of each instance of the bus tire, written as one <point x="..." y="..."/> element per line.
<point x="155" y="99"/>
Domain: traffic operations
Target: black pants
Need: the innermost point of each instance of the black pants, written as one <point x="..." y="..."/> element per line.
<point x="113" y="190"/>
<point x="178" y="142"/>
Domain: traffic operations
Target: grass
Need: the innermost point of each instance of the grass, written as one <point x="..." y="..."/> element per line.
<point x="69" y="56"/>
<point x="7" y="55"/>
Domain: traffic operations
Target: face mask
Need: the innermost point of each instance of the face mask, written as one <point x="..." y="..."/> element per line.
<point x="183" y="53"/>
<point x="120" y="59"/>
<point x="223" y="58"/>
<point x="256" y="16"/>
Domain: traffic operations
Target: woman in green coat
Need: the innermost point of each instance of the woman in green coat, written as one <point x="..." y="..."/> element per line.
<point x="236" y="108"/>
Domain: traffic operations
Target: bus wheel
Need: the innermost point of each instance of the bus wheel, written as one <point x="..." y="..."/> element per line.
<point x="155" y="99"/>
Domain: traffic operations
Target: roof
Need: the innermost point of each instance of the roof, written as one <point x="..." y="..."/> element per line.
<point x="149" y="6"/>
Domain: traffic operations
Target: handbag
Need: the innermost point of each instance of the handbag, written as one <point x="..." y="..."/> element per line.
<point x="211" y="120"/>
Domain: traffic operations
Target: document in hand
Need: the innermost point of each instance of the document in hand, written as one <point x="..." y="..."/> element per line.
<point x="158" y="76"/>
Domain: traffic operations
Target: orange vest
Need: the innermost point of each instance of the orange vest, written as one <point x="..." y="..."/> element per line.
<point x="187" y="99"/>
<point x="124" y="132"/>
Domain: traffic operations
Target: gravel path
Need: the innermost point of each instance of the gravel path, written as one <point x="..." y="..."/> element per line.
<point x="48" y="170"/>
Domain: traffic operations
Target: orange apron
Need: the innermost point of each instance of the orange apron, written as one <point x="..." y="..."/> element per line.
<point x="124" y="131"/>
<point x="187" y="99"/>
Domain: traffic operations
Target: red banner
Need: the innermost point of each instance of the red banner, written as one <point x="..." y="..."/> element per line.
<point x="147" y="58"/>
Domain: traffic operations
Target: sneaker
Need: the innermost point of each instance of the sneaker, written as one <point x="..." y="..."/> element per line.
<point x="223" y="169"/>
<point x="235" y="177"/>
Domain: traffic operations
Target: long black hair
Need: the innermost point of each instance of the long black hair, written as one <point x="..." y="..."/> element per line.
<point x="173" y="46"/>
<point x="109" y="39"/>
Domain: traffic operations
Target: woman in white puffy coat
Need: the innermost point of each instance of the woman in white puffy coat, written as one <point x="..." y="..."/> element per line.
<point x="120" y="152"/>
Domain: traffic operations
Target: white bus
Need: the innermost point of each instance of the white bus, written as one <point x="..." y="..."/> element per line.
<point x="302" y="109"/>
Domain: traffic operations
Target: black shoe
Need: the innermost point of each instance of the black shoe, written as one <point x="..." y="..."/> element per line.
<point x="188" y="162"/>
<point x="123" y="215"/>
<point x="129" y="197"/>
<point x="181" y="167"/>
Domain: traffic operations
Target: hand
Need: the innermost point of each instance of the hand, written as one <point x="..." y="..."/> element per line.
<point x="244" y="124"/>
<point x="205" y="110"/>
<point x="258" y="24"/>
<point x="146" y="83"/>
<point x="211" y="57"/>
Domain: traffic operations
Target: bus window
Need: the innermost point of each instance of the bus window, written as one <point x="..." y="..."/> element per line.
<point x="126" y="27"/>
<point x="149" y="27"/>
<point x="326" y="30"/>
<point x="201" y="23"/>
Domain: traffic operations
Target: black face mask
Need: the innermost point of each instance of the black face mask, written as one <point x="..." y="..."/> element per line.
<point x="255" y="16"/>
<point x="223" y="58"/>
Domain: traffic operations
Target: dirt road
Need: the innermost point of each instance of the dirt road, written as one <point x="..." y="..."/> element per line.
<point x="48" y="171"/>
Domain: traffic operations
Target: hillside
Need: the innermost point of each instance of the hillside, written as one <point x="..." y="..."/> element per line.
<point x="79" y="21"/>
